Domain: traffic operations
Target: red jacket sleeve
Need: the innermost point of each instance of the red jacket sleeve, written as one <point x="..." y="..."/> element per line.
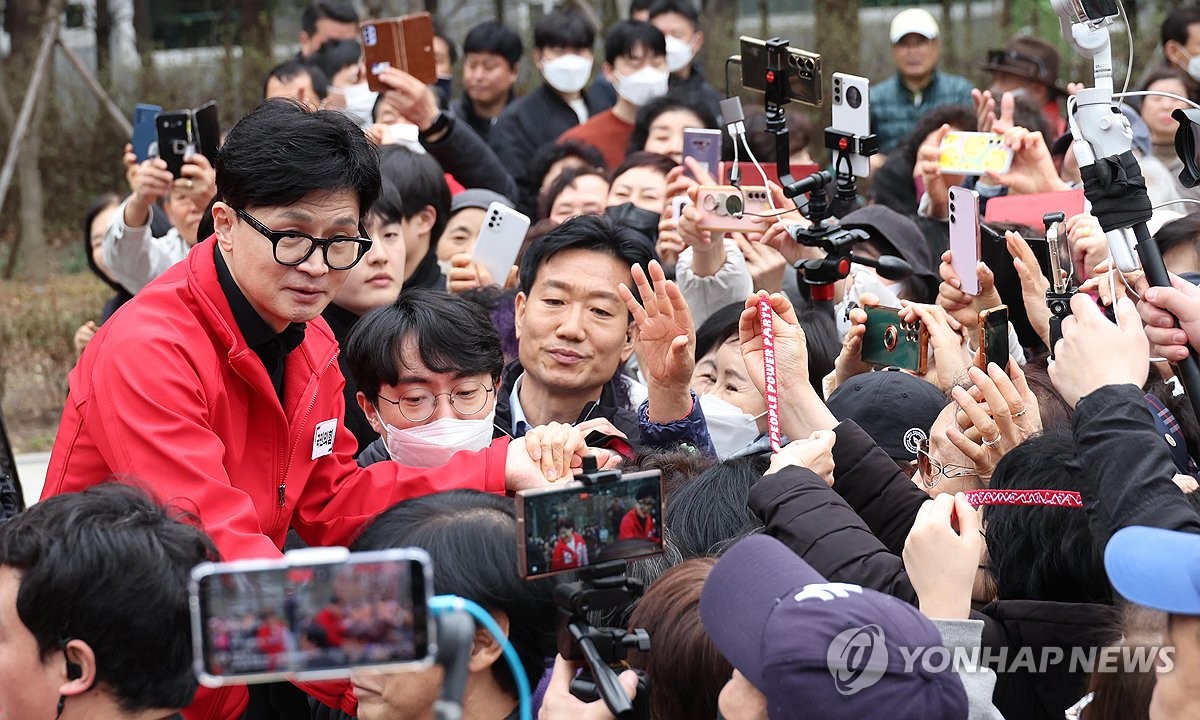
<point x="340" y="497"/>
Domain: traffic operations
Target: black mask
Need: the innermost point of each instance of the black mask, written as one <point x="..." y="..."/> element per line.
<point x="635" y="218"/>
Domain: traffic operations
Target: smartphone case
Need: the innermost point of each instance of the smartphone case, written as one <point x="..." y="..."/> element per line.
<point x="500" y="239"/>
<point x="993" y="337"/>
<point x="207" y="130"/>
<point x="852" y="114"/>
<point x="199" y="610"/>
<point x="704" y="145"/>
<point x="974" y="153"/>
<point x="721" y="205"/>
<point x="965" y="237"/>
<point x="405" y="43"/>
<point x="176" y="138"/>
<point x="145" y="132"/>
<point x="892" y="343"/>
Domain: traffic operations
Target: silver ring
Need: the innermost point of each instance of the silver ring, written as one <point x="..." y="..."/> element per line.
<point x="191" y="184"/>
<point x="992" y="443"/>
<point x="1023" y="411"/>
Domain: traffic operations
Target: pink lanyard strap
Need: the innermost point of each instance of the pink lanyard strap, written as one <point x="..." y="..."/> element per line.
<point x="1048" y="498"/>
<point x="766" y="318"/>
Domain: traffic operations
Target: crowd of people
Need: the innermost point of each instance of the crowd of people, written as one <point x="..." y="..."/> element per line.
<point x="836" y="538"/>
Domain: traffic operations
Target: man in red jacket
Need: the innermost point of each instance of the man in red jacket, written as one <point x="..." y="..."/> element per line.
<point x="218" y="385"/>
<point x="638" y="523"/>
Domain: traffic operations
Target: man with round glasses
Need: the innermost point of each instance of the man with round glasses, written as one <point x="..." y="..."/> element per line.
<point x="218" y="385"/>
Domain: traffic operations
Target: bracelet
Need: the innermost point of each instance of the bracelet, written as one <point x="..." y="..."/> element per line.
<point x="440" y="123"/>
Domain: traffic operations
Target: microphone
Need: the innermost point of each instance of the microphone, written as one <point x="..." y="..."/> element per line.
<point x="816" y="181"/>
<point x="889" y="267"/>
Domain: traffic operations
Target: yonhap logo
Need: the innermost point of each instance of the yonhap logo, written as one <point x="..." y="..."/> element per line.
<point x="857" y="658"/>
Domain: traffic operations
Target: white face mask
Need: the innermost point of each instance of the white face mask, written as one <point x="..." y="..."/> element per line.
<point x="432" y="444"/>
<point x="1193" y="67"/>
<point x="360" y="102"/>
<point x="730" y="428"/>
<point x="567" y="73"/>
<point x="642" y="86"/>
<point x="861" y="280"/>
<point x="679" y="53"/>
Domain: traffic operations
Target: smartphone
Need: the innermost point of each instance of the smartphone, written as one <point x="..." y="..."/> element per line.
<point x="965" y="237"/>
<point x="499" y="240"/>
<point x="405" y="43"/>
<point x="313" y="614"/>
<point x="889" y="342"/>
<point x="145" y="133"/>
<point x="569" y="528"/>
<point x="852" y="115"/>
<point x="974" y="153"/>
<point x="725" y="208"/>
<point x="207" y="123"/>
<point x="803" y="68"/>
<point x="176" y="138"/>
<point x="993" y="337"/>
<point x="704" y="146"/>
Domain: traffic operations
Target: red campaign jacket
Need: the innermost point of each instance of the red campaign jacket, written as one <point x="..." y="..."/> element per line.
<point x="169" y="395"/>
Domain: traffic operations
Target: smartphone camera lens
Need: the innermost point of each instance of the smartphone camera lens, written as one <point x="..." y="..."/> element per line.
<point x="733" y="205"/>
<point x="853" y="97"/>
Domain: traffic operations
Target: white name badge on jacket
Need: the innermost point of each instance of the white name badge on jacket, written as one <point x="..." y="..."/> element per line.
<point x="323" y="438"/>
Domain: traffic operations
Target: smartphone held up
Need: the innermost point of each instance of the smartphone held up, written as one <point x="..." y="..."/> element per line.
<point x="579" y="526"/>
<point x="314" y="614"/>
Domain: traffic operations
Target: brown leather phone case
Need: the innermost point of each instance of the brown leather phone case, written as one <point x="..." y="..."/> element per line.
<point x="403" y="42"/>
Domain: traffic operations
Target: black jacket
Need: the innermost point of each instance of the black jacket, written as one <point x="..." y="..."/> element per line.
<point x="464" y="109"/>
<point x="613" y="404"/>
<point x="529" y="123"/>
<point x="696" y="90"/>
<point x="341" y="322"/>
<point x="1126" y="465"/>
<point x="468" y="158"/>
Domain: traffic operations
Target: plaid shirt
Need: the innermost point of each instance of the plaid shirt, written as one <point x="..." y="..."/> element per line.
<point x="895" y="109"/>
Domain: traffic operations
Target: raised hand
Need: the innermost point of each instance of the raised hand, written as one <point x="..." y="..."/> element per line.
<point x="942" y="554"/>
<point x="664" y="340"/>
<point x="1094" y="352"/>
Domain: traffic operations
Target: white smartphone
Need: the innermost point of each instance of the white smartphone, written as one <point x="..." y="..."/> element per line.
<point x="499" y="240"/>
<point x="852" y="114"/>
<point x="965" y="237"/>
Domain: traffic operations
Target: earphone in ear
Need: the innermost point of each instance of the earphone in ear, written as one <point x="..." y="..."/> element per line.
<point x="74" y="670"/>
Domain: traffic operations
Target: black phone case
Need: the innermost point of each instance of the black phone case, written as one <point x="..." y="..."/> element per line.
<point x="174" y="136"/>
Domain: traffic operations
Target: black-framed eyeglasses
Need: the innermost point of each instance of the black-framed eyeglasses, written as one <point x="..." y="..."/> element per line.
<point x="293" y="247"/>
<point x="419" y="404"/>
<point x="1018" y="63"/>
<point x="930" y="467"/>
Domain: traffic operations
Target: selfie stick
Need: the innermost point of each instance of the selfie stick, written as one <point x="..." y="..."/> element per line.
<point x="456" y="618"/>
<point x="1112" y="178"/>
<point x="767" y="321"/>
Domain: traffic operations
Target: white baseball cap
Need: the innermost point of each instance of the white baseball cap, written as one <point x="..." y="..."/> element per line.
<point x="914" y="20"/>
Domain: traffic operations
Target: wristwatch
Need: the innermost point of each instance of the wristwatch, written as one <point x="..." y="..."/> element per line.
<point x="440" y="122"/>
